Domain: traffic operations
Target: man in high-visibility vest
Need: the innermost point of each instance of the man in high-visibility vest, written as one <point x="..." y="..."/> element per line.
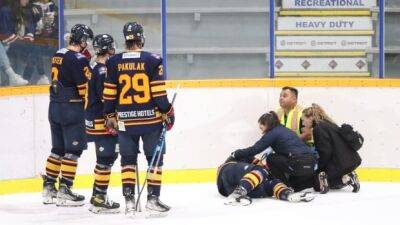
<point x="290" y="114"/>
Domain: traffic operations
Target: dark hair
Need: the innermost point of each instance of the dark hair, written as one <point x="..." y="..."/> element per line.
<point x="270" y="119"/>
<point x="291" y="89"/>
<point x="131" y="43"/>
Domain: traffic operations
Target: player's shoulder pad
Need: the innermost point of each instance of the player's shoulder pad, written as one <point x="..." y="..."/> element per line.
<point x="80" y="56"/>
<point x="62" y="51"/>
<point x="156" y="56"/>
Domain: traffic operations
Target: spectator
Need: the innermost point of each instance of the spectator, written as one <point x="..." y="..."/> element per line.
<point x="7" y="36"/>
<point x="46" y="39"/>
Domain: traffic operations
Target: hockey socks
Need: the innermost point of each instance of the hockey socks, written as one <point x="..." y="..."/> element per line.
<point x="102" y="175"/>
<point x="128" y="175"/>
<point x="154" y="181"/>
<point x="252" y="179"/>
<point x="53" y="166"/>
<point x="69" y="165"/>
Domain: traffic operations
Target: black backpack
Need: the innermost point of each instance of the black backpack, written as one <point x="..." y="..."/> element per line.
<point x="354" y="139"/>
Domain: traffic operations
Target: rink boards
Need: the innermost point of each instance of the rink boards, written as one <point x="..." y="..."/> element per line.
<point x="214" y="118"/>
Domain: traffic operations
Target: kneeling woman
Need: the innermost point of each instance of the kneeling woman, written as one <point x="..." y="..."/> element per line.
<point x="337" y="161"/>
<point x="292" y="161"/>
<point x="248" y="178"/>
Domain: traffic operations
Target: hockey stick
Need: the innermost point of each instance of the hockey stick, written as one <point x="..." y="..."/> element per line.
<point x="138" y="209"/>
<point x="157" y="150"/>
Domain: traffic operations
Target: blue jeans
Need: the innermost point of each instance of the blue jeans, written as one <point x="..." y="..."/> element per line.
<point x="4" y="61"/>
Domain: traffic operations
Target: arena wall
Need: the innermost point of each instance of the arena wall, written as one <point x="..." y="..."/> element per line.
<point x="213" y="118"/>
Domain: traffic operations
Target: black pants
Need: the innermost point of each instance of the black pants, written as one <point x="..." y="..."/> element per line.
<point x="281" y="168"/>
<point x="67" y="126"/>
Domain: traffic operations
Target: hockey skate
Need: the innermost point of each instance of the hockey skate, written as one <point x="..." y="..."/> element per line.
<point x="239" y="197"/>
<point x="130" y="205"/>
<point x="155" y="208"/>
<point x="351" y="179"/>
<point x="300" y="197"/>
<point x="66" y="198"/>
<point x="49" y="192"/>
<point x="323" y="183"/>
<point x="102" y="205"/>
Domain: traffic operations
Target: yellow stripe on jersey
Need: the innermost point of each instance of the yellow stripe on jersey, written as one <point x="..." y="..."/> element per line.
<point x="158" y="88"/>
<point x="143" y="122"/>
<point x="82" y="89"/>
<point x="109" y="91"/>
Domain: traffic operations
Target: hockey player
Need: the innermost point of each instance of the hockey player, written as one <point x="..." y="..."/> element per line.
<point x="105" y="142"/>
<point x="70" y="72"/>
<point x="241" y="180"/>
<point x="135" y="93"/>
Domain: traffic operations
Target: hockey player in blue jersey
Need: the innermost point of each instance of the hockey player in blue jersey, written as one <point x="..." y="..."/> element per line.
<point x="247" y="178"/>
<point x="105" y="142"/>
<point x="70" y="72"/>
<point x="135" y="94"/>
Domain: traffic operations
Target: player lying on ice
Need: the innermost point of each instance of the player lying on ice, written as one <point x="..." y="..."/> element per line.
<point x="247" y="178"/>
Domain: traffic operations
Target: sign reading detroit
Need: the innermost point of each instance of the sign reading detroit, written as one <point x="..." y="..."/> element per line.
<point x="328" y="4"/>
<point x="327" y="43"/>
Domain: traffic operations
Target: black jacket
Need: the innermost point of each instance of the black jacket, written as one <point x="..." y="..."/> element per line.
<point x="282" y="140"/>
<point x="336" y="157"/>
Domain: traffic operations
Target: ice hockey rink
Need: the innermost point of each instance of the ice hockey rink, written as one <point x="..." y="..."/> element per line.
<point x="376" y="203"/>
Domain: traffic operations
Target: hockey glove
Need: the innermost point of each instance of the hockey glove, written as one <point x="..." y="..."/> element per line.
<point x="169" y="118"/>
<point x="239" y="154"/>
<point x="111" y="124"/>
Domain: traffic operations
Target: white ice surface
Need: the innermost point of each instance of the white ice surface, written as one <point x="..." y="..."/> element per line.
<point x="375" y="204"/>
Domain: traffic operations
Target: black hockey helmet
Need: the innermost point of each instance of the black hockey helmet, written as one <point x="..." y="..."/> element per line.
<point x="103" y="43"/>
<point x="80" y="33"/>
<point x="134" y="32"/>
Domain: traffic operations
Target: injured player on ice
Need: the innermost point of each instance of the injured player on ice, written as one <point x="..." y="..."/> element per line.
<point x="241" y="180"/>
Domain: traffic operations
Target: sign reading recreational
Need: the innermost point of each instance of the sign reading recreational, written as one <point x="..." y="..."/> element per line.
<point x="324" y="23"/>
<point x="323" y="42"/>
<point x="328" y="4"/>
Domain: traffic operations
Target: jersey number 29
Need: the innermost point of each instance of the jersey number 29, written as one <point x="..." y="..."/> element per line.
<point x="138" y="82"/>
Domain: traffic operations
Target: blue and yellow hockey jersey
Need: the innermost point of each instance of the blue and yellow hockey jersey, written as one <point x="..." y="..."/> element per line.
<point x="135" y="89"/>
<point x="94" y="117"/>
<point x="69" y="73"/>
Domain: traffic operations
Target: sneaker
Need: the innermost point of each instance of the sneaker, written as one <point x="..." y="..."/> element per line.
<point x="239" y="197"/>
<point x="17" y="80"/>
<point x="323" y="182"/>
<point x="43" y="80"/>
<point x="155" y="208"/>
<point x="102" y="205"/>
<point x="49" y="192"/>
<point x="65" y="197"/>
<point x="301" y="197"/>
<point x="353" y="181"/>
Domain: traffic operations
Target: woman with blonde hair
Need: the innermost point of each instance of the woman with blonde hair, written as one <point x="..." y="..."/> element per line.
<point x="337" y="161"/>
